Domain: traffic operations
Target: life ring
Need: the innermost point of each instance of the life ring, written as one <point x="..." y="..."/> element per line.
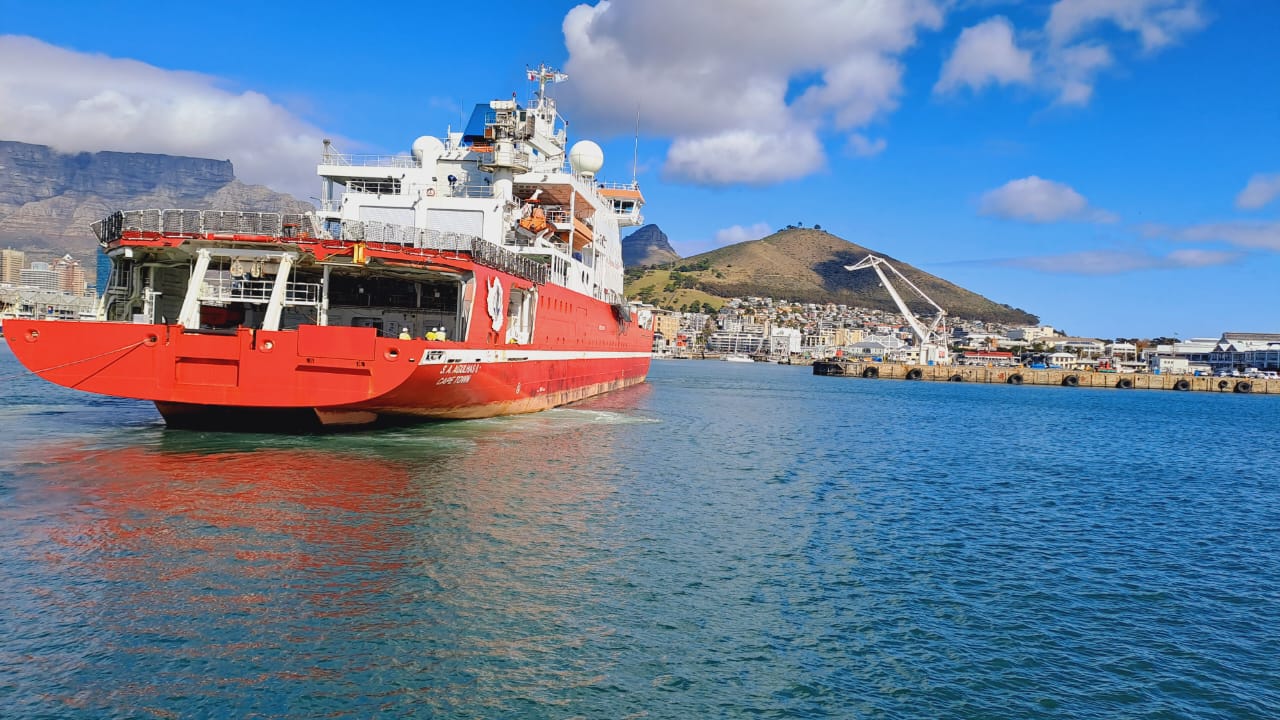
<point x="1070" y="381"/>
<point x="1223" y="384"/>
<point x="1014" y="379"/>
<point x="1244" y="386"/>
<point x="1124" y="384"/>
<point x="871" y="373"/>
<point x="956" y="378"/>
<point x="914" y="374"/>
<point x="431" y="192"/>
<point x="1182" y="385"/>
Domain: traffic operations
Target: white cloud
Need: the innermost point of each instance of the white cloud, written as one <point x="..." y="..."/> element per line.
<point x="1034" y="199"/>
<point x="1259" y="192"/>
<point x="76" y="102"/>
<point x="735" y="76"/>
<point x="1073" y="60"/>
<point x="1073" y="70"/>
<point x="737" y="233"/>
<point x="1116" y="262"/>
<point x="743" y="156"/>
<point x="1156" y="22"/>
<point x="985" y="53"/>
<point x="1255" y="235"/>
<point x="863" y="146"/>
<point x="1067" y="55"/>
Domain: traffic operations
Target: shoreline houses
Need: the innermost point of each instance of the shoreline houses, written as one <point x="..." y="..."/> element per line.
<point x="775" y="330"/>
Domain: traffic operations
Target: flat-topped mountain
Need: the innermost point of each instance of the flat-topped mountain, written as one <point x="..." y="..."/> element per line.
<point x="49" y="198"/>
<point x="808" y="265"/>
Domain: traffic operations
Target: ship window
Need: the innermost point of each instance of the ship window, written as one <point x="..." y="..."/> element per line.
<point x="379" y="186"/>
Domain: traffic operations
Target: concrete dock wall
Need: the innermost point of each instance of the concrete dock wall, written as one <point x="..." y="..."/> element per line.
<point x="1025" y="376"/>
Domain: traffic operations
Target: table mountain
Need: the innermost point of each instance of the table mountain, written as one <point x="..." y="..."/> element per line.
<point x="49" y="198"/>
<point x="808" y="265"/>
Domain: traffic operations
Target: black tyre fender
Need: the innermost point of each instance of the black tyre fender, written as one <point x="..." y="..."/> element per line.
<point x="1244" y="386"/>
<point x="914" y="374"/>
<point x="1224" y="384"/>
<point x="1124" y="384"/>
<point x="871" y="372"/>
<point x="956" y="378"/>
<point x="1070" y="381"/>
<point x="1182" y="385"/>
<point x="1015" y="379"/>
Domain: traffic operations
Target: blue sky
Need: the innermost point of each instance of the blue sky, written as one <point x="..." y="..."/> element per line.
<point x="1110" y="165"/>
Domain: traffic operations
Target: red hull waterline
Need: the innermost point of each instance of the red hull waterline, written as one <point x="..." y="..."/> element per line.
<point x="312" y="376"/>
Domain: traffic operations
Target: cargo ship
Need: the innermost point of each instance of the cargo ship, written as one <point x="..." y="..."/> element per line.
<point x="479" y="275"/>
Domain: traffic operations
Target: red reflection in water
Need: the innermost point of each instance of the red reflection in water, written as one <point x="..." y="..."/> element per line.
<point x="266" y="508"/>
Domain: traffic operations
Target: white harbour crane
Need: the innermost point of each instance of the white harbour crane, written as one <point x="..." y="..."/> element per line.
<point x="932" y="338"/>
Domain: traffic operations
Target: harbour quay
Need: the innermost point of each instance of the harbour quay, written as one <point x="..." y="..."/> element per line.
<point x="1052" y="376"/>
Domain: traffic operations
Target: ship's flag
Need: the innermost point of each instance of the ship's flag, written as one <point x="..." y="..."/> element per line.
<point x="546" y="74"/>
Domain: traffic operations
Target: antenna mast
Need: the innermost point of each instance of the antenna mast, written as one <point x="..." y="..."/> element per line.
<point x="635" y="158"/>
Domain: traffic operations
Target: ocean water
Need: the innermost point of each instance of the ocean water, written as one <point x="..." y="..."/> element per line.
<point x="725" y="541"/>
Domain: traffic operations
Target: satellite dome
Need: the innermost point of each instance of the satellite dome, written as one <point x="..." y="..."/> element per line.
<point x="427" y="147"/>
<point x="586" y="158"/>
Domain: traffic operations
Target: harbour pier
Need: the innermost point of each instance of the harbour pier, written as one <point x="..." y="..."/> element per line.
<point x="1052" y="376"/>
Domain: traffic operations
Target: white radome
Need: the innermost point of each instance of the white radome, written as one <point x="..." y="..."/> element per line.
<point x="427" y="146"/>
<point x="586" y="158"/>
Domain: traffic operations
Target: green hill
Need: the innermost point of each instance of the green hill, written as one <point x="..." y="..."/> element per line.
<point x="805" y="265"/>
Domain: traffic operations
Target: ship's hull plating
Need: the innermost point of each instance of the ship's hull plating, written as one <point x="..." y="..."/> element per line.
<point x="318" y="376"/>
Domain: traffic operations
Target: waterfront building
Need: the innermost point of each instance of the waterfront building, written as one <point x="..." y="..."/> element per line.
<point x="1122" y="350"/>
<point x="1195" y="350"/>
<point x="24" y="301"/>
<point x="1032" y="333"/>
<point x="1165" y="365"/>
<point x="11" y="264"/>
<point x="69" y="274"/>
<point x="1079" y="347"/>
<point x="876" y="346"/>
<point x="40" y="276"/>
<point x="667" y="323"/>
<point x="986" y="357"/>
<point x="666" y="330"/>
<point x="1060" y="359"/>
<point x="1246" y="350"/>
<point x="724" y="341"/>
<point x="846" y="336"/>
<point x="784" y="342"/>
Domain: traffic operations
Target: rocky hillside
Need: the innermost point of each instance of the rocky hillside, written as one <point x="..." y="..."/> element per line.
<point x="647" y="246"/>
<point x="809" y="266"/>
<point x="48" y="198"/>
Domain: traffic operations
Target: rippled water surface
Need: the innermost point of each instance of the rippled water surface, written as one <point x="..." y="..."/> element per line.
<point x="725" y="541"/>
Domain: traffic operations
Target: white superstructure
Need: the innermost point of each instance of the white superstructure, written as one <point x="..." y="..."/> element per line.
<point x="507" y="179"/>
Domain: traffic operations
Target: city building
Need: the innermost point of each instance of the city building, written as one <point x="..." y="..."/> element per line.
<point x="1031" y="334"/>
<point x="735" y="342"/>
<point x="70" y="275"/>
<point x="783" y="343"/>
<point x="1246" y="350"/>
<point x="40" y="276"/>
<point x="11" y="264"/>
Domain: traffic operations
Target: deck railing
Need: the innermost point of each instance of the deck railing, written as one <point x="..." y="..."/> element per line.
<point x="251" y="290"/>
<point x="398" y="161"/>
<point x="203" y="222"/>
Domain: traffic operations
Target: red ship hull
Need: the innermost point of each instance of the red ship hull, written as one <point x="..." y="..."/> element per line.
<point x="316" y="376"/>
